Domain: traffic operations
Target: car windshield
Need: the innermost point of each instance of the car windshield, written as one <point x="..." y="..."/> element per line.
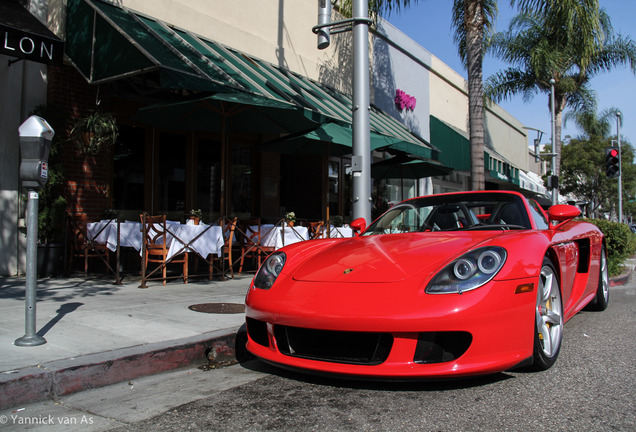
<point x="454" y="212"/>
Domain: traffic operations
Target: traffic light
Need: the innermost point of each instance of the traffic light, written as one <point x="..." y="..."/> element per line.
<point x="612" y="163"/>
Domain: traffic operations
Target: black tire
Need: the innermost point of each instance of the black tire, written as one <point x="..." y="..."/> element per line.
<point x="548" y="323"/>
<point x="601" y="300"/>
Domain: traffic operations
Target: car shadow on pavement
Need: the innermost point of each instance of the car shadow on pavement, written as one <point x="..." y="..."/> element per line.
<point x="366" y="383"/>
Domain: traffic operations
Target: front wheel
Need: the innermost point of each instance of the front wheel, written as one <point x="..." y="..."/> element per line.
<point x="548" y="325"/>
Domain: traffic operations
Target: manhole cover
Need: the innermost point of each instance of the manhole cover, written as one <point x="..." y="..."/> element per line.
<point x="218" y="308"/>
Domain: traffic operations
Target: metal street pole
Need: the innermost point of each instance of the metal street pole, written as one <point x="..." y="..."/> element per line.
<point x="361" y="160"/>
<point x="555" y="189"/>
<point x="31" y="338"/>
<point x="620" y="167"/>
<point x="361" y="153"/>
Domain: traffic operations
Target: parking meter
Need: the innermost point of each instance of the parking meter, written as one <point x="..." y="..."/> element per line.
<point x="35" y="144"/>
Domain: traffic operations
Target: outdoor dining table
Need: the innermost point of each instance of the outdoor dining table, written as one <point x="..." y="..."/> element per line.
<point x="201" y="239"/>
<point x="343" y="231"/>
<point x="275" y="236"/>
<point x="105" y="232"/>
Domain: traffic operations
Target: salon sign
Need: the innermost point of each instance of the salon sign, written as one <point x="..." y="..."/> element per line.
<point x="30" y="46"/>
<point x="404" y="101"/>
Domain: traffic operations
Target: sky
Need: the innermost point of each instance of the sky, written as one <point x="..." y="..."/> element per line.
<point x="428" y="22"/>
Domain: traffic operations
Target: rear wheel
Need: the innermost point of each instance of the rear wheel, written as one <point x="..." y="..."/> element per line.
<point x="601" y="300"/>
<point x="548" y="324"/>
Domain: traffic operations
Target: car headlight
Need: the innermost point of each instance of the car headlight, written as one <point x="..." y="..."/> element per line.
<point x="269" y="271"/>
<point x="469" y="271"/>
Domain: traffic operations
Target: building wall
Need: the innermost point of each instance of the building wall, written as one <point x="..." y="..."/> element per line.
<point x="22" y="88"/>
<point x="278" y="31"/>
<point x="440" y="91"/>
<point x="401" y="64"/>
<point x="87" y="176"/>
<point x="508" y="136"/>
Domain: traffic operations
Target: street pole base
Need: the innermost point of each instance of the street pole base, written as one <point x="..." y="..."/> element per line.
<point x="34" y="340"/>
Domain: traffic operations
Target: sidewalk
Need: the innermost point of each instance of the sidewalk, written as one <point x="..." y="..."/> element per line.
<point x="98" y="333"/>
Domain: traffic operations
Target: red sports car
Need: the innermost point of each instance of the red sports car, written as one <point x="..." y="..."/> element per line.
<point x="446" y="285"/>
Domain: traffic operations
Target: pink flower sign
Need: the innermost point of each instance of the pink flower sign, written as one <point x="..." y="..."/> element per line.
<point x="404" y="101"/>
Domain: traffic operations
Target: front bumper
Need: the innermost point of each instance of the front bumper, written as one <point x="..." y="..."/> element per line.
<point x="378" y="330"/>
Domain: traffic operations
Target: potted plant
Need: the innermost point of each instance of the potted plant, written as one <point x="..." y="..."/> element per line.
<point x="196" y="215"/>
<point x="290" y="218"/>
<point x="96" y="132"/>
<point x="337" y="221"/>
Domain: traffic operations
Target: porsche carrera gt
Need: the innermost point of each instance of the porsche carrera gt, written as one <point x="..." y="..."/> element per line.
<point x="447" y="285"/>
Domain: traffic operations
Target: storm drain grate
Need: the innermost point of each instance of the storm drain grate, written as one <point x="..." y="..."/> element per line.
<point x="218" y="308"/>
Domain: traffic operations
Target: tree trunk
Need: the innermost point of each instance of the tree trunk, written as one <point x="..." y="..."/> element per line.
<point x="474" y="37"/>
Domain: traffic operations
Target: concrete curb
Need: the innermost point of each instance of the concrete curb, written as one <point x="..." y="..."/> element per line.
<point x="623" y="278"/>
<point x="62" y="377"/>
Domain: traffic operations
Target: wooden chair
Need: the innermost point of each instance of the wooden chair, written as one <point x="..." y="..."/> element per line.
<point x="155" y="244"/>
<point x="317" y="230"/>
<point x="82" y="247"/>
<point x="229" y="228"/>
<point x="251" y="245"/>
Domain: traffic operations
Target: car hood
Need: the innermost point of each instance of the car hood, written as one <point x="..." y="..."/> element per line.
<point x="386" y="258"/>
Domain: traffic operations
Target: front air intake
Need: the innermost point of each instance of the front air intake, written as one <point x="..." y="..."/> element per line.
<point x="363" y="348"/>
<point x="439" y="347"/>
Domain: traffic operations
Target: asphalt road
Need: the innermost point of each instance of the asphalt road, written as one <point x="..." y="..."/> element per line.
<point x="591" y="388"/>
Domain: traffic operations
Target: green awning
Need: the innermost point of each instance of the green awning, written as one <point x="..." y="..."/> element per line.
<point x="455" y="152"/>
<point x="108" y="42"/>
<point x="453" y="144"/>
<point x="231" y="112"/>
<point x="338" y="140"/>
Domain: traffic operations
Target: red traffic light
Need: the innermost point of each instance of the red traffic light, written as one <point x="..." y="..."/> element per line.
<point x="612" y="164"/>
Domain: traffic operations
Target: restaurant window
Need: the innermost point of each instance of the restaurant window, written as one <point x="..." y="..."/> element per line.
<point x="208" y="165"/>
<point x="128" y="169"/>
<point x="172" y="172"/>
<point x="302" y="186"/>
<point x="333" y="173"/>
<point x="340" y="185"/>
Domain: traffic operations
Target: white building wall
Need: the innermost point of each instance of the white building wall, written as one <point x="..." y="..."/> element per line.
<point x="23" y="87"/>
<point x="401" y="64"/>
<point x="507" y="136"/>
<point x="449" y="95"/>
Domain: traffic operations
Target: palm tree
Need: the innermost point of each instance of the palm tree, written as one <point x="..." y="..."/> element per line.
<point x="570" y="41"/>
<point x="593" y="124"/>
<point x="473" y="21"/>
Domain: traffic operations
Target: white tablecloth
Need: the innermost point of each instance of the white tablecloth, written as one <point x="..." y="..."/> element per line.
<point x="277" y="237"/>
<point x="340" y="232"/>
<point x="210" y="241"/>
<point x="105" y="232"/>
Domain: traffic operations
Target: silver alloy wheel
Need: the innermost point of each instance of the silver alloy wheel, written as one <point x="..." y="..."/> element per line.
<point x="549" y="315"/>
<point x="604" y="276"/>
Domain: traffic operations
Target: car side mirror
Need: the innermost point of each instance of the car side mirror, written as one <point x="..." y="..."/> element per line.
<point x="563" y="213"/>
<point x="358" y="225"/>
